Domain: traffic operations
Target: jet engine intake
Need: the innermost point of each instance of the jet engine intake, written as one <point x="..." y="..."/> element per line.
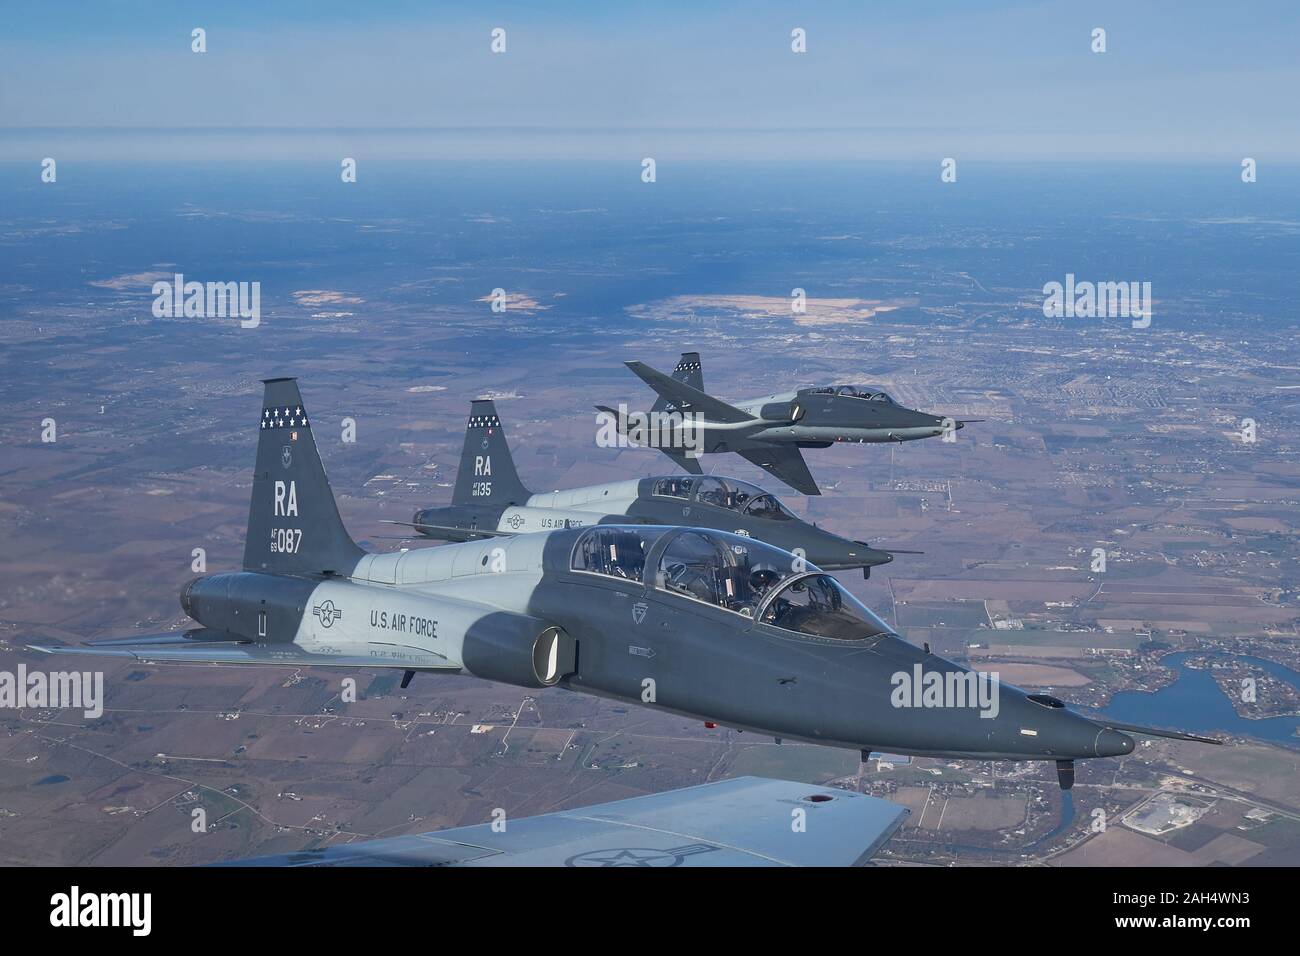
<point x="782" y="412"/>
<point x="525" y="652"/>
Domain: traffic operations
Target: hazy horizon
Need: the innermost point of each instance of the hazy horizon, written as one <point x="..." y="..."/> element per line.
<point x="998" y="81"/>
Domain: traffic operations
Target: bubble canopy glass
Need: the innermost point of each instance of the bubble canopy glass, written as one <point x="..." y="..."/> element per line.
<point x="867" y="392"/>
<point x="674" y="486"/>
<point x="615" y="551"/>
<point x="817" y="605"/>
<point x="768" y="506"/>
<point x="729" y="493"/>
<point x="731" y="572"/>
<point x="725" y="570"/>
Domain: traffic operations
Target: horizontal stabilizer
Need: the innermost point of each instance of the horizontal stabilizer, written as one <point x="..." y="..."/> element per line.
<point x="205" y="646"/>
<point x="619" y="422"/>
<point x="744" y="821"/>
<point x="686" y="399"/>
<point x="682" y="460"/>
<point x="126" y="646"/>
<point x="446" y="532"/>
<point x="459" y="532"/>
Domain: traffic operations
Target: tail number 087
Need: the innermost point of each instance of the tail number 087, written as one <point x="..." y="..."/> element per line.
<point x="285" y="540"/>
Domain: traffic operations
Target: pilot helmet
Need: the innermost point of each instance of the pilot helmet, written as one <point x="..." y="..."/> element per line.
<point x="763" y="576"/>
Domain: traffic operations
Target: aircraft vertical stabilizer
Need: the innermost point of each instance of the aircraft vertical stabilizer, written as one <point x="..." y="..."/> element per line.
<point x="293" y="522"/>
<point x="487" y="470"/>
<point x="689" y="371"/>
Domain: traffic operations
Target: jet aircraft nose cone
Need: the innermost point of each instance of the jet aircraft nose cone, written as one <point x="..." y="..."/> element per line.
<point x="1111" y="743"/>
<point x="872" y="558"/>
<point x="857" y="555"/>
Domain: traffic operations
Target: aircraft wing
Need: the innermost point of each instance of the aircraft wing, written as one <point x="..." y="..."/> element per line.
<point x="745" y="821"/>
<point x="207" y="646"/>
<point x="684" y="461"/>
<point x="467" y="533"/>
<point x="785" y="462"/>
<point x="686" y="398"/>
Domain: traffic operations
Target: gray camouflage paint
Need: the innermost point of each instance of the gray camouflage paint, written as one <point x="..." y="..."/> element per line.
<point x="489" y="500"/>
<point x="514" y="610"/>
<point x="769" y="431"/>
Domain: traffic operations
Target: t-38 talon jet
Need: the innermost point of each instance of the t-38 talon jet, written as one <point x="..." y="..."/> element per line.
<point x="489" y="500"/>
<point x="698" y="622"/>
<point x="770" y="431"/>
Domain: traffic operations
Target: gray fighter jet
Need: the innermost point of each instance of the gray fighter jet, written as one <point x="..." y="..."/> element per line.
<point x="489" y="500"/>
<point x="698" y="622"/>
<point x="686" y="422"/>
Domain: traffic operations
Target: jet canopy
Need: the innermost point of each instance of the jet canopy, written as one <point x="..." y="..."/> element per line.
<point x="729" y="571"/>
<point x="817" y="605"/>
<point x="868" y="393"/>
<point x="729" y="493"/>
<point x="737" y="574"/>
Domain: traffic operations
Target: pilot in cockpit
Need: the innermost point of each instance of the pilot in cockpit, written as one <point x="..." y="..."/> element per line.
<point x="761" y="579"/>
<point x="780" y="608"/>
<point x="715" y="493"/>
<point x="625" y="557"/>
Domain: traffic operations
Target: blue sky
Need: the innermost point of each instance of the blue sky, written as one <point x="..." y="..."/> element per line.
<point x="984" y="81"/>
